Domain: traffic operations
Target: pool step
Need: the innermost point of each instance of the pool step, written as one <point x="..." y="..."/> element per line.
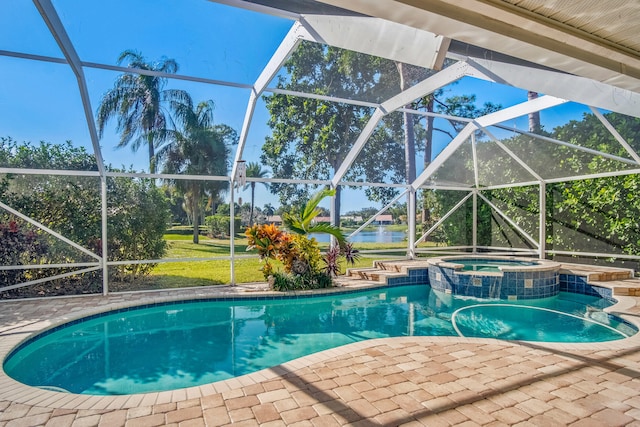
<point x="401" y="266"/>
<point x="597" y="273"/>
<point x="382" y="270"/>
<point x="374" y="274"/>
<point x="626" y="287"/>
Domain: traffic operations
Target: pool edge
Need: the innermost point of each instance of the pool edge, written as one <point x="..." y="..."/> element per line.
<point x="15" y="391"/>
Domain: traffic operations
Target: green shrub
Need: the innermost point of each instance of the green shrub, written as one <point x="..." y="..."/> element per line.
<point x="219" y="226"/>
<point x="19" y="247"/>
<point x="138" y="218"/>
<point x="298" y="282"/>
<point x="137" y="211"/>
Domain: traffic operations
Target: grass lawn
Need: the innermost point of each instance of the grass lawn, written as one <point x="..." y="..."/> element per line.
<point x="218" y="272"/>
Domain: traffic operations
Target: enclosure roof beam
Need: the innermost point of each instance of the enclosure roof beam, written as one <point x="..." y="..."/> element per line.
<point x="351" y="156"/>
<point x="282" y="53"/>
<point x="52" y="20"/>
<point x="474" y="155"/>
<point x="568" y="144"/>
<point x="567" y="86"/>
<point x="594" y="176"/>
<point x="512" y="155"/>
<point x="425" y="87"/>
<point x="319" y="97"/>
<point x="519" y="110"/>
<point x="378" y="37"/>
<point x="510" y="221"/>
<point x="612" y="130"/>
<point x="512" y="185"/>
<point x="509" y="113"/>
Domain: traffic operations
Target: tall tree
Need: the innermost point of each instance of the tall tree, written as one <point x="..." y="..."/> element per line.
<point x="254" y="170"/>
<point x="268" y="209"/>
<point x="199" y="147"/>
<point x="311" y="137"/>
<point x="534" y="118"/>
<point x="138" y="102"/>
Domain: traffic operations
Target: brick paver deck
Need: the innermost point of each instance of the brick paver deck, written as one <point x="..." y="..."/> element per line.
<point x="410" y="381"/>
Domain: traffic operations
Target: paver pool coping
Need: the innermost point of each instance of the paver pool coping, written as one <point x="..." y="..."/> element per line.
<point x="537" y="264"/>
<point x="20" y="320"/>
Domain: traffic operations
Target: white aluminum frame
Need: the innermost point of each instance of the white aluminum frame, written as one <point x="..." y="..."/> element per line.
<point x="329" y="29"/>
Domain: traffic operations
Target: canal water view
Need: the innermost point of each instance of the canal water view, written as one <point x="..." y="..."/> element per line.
<point x="380" y="235"/>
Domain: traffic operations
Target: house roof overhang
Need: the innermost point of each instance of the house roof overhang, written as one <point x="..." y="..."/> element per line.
<point x="588" y="38"/>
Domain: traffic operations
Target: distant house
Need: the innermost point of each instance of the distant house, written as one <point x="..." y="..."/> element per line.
<point x="383" y="219"/>
<point x="274" y="219"/>
<point x="322" y="219"/>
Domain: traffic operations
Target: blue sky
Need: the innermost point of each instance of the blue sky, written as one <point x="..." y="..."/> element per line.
<point x="40" y="101"/>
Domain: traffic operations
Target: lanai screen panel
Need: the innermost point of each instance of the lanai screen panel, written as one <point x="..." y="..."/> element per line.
<point x="608" y="223"/>
<point x="497" y="165"/>
<point x="31" y="37"/>
<point x="613" y="133"/>
<point x="506" y="207"/>
<point x="553" y="161"/>
<point x="46" y="108"/>
<point x="383" y="156"/>
<point x="453" y="226"/>
<point x="189" y="33"/>
<point x="330" y="71"/>
<point x="443" y="131"/>
<point x="457" y="170"/>
<point x="198" y="136"/>
<point x="50" y="226"/>
<point x="484" y="96"/>
<point x="309" y="139"/>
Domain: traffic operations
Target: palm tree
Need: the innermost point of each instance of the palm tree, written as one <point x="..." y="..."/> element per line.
<point x="254" y="170"/>
<point x="268" y="209"/>
<point x="138" y="101"/>
<point x="198" y="148"/>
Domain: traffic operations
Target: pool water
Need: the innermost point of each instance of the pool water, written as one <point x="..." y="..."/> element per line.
<point x="481" y="264"/>
<point x="185" y="344"/>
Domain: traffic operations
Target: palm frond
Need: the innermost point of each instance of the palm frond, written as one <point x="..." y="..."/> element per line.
<point x="292" y="222"/>
<point x="310" y="209"/>
<point x="325" y="227"/>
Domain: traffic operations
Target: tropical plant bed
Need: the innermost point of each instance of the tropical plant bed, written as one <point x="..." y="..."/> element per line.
<point x="303" y="265"/>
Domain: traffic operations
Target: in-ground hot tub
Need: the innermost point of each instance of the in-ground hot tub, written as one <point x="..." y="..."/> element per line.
<point x="483" y="276"/>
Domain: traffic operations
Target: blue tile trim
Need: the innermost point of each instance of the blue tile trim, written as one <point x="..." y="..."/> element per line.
<point x="579" y="285"/>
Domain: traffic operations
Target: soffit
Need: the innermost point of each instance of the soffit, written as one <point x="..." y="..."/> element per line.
<point x="614" y="21"/>
<point x="594" y="39"/>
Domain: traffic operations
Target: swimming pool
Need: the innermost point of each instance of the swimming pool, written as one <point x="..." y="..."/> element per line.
<point x="188" y="343"/>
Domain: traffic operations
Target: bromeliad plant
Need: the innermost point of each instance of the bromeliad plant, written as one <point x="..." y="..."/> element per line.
<point x="334" y="255"/>
<point x="300" y="255"/>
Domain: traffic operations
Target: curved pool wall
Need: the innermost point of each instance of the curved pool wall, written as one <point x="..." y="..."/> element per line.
<point x="512" y="278"/>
